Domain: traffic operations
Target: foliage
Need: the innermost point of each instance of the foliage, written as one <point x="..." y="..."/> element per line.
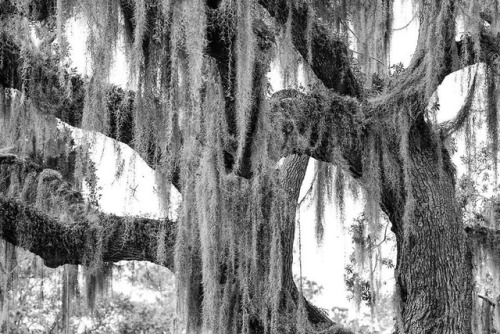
<point x="474" y="187"/>
<point x="354" y="283"/>
<point x="366" y="276"/>
<point x="35" y="302"/>
<point x="310" y="289"/>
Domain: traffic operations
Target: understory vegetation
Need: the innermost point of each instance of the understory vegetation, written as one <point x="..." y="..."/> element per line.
<point x="140" y="299"/>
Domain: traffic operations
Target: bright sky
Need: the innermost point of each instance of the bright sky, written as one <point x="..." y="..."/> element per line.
<point x="134" y="193"/>
<point x="78" y="49"/>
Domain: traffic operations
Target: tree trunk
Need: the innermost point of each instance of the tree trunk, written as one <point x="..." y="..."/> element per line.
<point x="434" y="270"/>
<point x="293" y="172"/>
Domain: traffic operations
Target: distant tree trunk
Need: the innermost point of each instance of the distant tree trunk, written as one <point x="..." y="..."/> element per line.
<point x="484" y="318"/>
<point x="293" y="172"/>
<point x="434" y="263"/>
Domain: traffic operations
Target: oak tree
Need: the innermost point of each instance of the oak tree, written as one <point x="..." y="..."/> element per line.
<point x="197" y="108"/>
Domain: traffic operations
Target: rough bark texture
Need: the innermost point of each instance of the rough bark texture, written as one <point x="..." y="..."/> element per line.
<point x="60" y="242"/>
<point x="324" y="125"/>
<point x="434" y="267"/>
<point x="74" y="233"/>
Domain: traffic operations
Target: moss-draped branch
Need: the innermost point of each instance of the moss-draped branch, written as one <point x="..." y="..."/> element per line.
<point x="330" y="57"/>
<point x="58" y="242"/>
<point x="324" y="125"/>
<point x="73" y="231"/>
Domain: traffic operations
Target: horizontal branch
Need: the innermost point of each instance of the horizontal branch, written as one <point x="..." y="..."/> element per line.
<point x="322" y="124"/>
<point x="60" y="242"/>
<point x="72" y="232"/>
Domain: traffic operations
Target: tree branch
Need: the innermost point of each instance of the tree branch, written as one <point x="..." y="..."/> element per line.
<point x="486" y="299"/>
<point x="331" y="60"/>
<point x="323" y="125"/>
<point x="85" y="235"/>
<point x="450" y="127"/>
<point x="73" y="232"/>
<point x="58" y="242"/>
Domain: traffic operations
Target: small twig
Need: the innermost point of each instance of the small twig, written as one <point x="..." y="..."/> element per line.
<point x="349" y="28"/>
<point x="377" y="60"/>
<point x="406" y="25"/>
<point x="133" y="190"/>
<point x="487" y="299"/>
<point x="385" y="237"/>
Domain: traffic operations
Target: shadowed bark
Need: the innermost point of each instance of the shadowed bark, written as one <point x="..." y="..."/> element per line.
<point x="60" y="242"/>
<point x="489" y="237"/>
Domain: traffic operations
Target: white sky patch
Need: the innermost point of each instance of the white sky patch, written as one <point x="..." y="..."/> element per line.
<point x="404" y="37"/>
<point x="126" y="183"/>
<point x="324" y="264"/>
<point x="76" y="29"/>
<point x="453" y="91"/>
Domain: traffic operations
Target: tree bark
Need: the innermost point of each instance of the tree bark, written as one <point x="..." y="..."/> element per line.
<point x="330" y="57"/>
<point x="434" y="262"/>
<point x="73" y="233"/>
<point x="62" y="242"/>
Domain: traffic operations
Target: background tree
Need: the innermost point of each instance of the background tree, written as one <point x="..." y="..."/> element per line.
<point x="201" y="116"/>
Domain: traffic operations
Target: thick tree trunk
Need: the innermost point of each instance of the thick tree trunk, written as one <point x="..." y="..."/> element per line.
<point x="434" y="270"/>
